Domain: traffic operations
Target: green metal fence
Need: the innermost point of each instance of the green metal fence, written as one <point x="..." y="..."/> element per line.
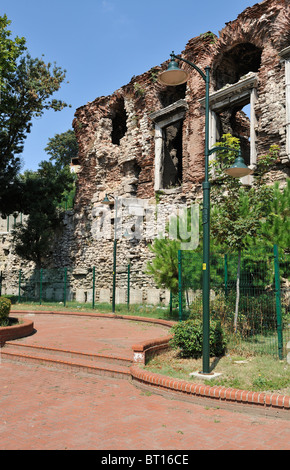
<point x="62" y="286"/>
<point x="263" y="320"/>
<point x="259" y="296"/>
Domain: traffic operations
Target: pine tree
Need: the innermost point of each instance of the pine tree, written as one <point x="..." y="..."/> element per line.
<point x="164" y="265"/>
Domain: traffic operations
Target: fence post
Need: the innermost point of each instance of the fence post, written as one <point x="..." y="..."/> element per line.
<point x="180" y="284"/>
<point x="94" y="279"/>
<point x="64" y="293"/>
<point x="226" y="275"/>
<point x="40" y="287"/>
<point x="128" y="288"/>
<point x="114" y="276"/>
<point x="19" y="286"/>
<point x="278" y="302"/>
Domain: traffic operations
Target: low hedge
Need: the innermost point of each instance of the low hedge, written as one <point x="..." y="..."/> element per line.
<point x="188" y="338"/>
<point x="5" y="306"/>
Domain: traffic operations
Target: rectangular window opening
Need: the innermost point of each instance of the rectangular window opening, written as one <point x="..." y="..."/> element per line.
<point x="172" y="156"/>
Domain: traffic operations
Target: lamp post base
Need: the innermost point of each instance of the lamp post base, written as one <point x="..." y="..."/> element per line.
<point x="203" y="375"/>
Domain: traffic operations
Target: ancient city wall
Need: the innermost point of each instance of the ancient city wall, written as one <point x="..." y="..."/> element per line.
<point x="145" y="142"/>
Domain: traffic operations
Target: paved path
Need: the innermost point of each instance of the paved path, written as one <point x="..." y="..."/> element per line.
<point x="98" y="335"/>
<point x="46" y="409"/>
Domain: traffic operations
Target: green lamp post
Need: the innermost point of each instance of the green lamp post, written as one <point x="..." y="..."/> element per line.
<point x="175" y="76"/>
<point x="107" y="201"/>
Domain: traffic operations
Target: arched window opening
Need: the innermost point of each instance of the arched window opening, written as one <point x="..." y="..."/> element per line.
<point x="172" y="94"/>
<point x="236" y="63"/>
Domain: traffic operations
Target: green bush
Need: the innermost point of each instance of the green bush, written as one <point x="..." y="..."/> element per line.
<point x="188" y="337"/>
<point x="5" y="305"/>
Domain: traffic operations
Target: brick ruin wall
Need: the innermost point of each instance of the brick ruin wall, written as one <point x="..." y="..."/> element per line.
<point x="117" y="145"/>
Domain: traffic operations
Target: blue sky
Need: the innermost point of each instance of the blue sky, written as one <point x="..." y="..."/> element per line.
<point x="103" y="43"/>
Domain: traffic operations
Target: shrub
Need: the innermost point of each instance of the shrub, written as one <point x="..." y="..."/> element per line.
<point x="188" y="337"/>
<point x="5" y="305"/>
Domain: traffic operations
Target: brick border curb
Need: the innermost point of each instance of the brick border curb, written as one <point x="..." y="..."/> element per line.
<point x="220" y="394"/>
<point x="21" y="330"/>
<point x="96" y="314"/>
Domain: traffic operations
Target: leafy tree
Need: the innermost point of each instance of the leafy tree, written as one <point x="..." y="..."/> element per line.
<point x="62" y="148"/>
<point x="27" y="88"/>
<point x="10" y="50"/>
<point x="42" y="193"/>
<point x="237" y="210"/>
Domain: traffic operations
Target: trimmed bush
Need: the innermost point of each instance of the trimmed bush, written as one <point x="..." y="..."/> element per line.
<point x="5" y="305"/>
<point x="188" y="336"/>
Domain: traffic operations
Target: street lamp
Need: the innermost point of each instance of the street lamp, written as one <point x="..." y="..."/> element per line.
<point x="238" y="169"/>
<point x="107" y="201"/>
<point x="175" y="76"/>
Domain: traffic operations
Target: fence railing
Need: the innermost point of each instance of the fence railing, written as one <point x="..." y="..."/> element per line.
<point x="257" y="295"/>
<point x="64" y="285"/>
<point x="9" y="223"/>
<point x="263" y="318"/>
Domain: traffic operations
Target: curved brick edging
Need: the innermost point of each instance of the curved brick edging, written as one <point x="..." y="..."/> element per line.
<point x="142" y="351"/>
<point x="20" y="330"/>
<point x="272" y="401"/>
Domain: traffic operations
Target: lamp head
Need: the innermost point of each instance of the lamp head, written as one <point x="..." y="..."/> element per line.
<point x="173" y="75"/>
<point x="106" y="200"/>
<point x="239" y="169"/>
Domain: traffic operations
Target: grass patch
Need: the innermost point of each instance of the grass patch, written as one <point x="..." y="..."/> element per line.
<point x="143" y="310"/>
<point x="254" y="373"/>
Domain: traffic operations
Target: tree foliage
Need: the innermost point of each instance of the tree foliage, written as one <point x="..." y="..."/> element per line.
<point x="164" y="265"/>
<point x="275" y="228"/>
<point x="27" y="88"/>
<point x="238" y="210"/>
<point x="10" y="50"/>
<point x="242" y="217"/>
<point x="62" y="148"/>
<point x="42" y="194"/>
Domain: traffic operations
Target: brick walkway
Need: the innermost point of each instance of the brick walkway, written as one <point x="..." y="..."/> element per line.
<point x="46" y="408"/>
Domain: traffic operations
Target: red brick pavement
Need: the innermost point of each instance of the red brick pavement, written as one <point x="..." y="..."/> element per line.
<point x="90" y="334"/>
<point x="48" y="409"/>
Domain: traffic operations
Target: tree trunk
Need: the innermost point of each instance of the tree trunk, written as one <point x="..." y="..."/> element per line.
<point x="237" y="292"/>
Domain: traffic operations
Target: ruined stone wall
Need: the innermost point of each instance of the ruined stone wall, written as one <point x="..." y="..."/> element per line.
<point x="119" y="135"/>
<point x="266" y="26"/>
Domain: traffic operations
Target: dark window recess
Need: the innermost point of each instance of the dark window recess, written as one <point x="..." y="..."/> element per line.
<point x="234" y="121"/>
<point x="172" y="155"/>
<point x="119" y="122"/>
<point x="172" y="94"/>
<point x="75" y="161"/>
<point x="235" y="63"/>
